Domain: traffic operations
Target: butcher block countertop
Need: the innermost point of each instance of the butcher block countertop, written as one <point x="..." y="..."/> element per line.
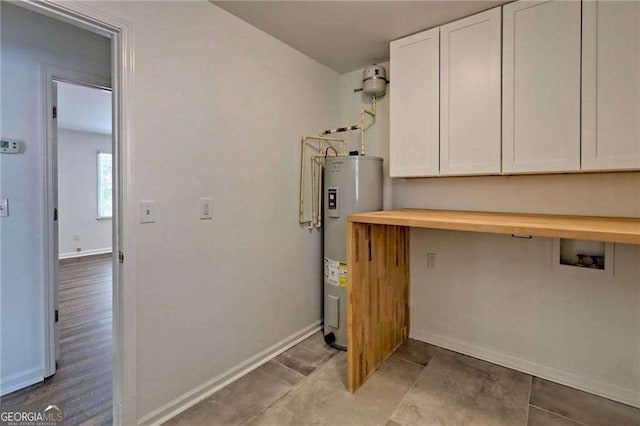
<point x="594" y="228"/>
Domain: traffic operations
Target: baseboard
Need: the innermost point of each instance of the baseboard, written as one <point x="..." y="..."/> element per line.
<point x="21" y="380"/>
<point x="83" y="253"/>
<point x="606" y="390"/>
<point x="191" y="398"/>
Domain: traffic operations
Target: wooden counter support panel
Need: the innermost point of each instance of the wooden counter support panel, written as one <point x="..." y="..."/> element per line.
<point x="378" y="268"/>
<point x="377" y="297"/>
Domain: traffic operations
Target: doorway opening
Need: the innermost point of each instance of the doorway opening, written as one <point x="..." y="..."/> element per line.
<point x="30" y="65"/>
<point x="78" y="375"/>
<point x="83" y="315"/>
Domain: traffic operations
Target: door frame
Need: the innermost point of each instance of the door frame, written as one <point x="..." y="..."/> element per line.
<point x="51" y="253"/>
<point x="88" y="17"/>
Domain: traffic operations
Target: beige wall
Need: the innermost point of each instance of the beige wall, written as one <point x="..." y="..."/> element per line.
<point x="498" y="298"/>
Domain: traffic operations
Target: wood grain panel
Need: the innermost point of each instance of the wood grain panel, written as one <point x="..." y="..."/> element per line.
<point x="377" y="297"/>
<point x="608" y="229"/>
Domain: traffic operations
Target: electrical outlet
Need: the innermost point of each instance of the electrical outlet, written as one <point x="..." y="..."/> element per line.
<point x="205" y="208"/>
<point x="76" y="237"/>
<point x="431" y="260"/>
<point x="147" y="211"/>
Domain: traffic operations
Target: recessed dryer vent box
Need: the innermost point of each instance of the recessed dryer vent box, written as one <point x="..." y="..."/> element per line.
<point x="583" y="256"/>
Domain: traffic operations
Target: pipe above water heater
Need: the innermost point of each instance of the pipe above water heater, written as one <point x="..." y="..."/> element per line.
<point x="374" y="84"/>
<point x="315" y="221"/>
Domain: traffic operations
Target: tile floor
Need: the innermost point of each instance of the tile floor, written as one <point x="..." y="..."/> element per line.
<point x="420" y="384"/>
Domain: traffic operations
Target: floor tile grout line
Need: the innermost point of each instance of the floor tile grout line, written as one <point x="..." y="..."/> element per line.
<point x="305" y="376"/>
<point x="405" y="395"/>
<point x="408" y="360"/>
<point x="526" y="420"/>
<point x="424" y="367"/>
<point x="559" y="415"/>
<point x="294" y="387"/>
<point x="289" y="368"/>
<point x="437" y="349"/>
<point x="314" y="371"/>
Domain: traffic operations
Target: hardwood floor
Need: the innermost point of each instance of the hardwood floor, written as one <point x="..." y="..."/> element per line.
<point x="82" y="385"/>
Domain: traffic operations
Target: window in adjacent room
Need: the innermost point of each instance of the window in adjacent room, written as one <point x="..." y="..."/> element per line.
<point x="105" y="187"/>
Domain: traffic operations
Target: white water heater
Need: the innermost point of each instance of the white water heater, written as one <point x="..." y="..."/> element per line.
<point x="352" y="184"/>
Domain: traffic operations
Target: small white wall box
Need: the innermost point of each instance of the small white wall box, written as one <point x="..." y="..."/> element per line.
<point x="583" y="256"/>
<point x="10" y="146"/>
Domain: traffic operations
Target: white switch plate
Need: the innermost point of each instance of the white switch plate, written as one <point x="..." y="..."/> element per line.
<point x="147" y="211"/>
<point x="431" y="260"/>
<point x="4" y="207"/>
<point x="205" y="208"/>
<point x="76" y="237"/>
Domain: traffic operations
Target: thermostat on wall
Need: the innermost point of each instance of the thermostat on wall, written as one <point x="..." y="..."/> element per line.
<point x="10" y="146"/>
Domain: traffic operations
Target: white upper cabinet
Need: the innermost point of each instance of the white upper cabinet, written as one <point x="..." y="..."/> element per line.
<point x="532" y="87"/>
<point x="470" y="61"/>
<point x="541" y="87"/>
<point x="611" y="85"/>
<point x="414" y="144"/>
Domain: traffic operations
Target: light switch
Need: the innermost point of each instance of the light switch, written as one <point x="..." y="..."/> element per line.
<point x="205" y="208"/>
<point x="147" y="211"/>
<point x="4" y="207"/>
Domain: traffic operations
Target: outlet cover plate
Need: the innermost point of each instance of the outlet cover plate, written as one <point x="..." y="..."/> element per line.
<point x="147" y="211"/>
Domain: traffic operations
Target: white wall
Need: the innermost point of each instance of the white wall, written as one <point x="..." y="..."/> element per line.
<point x="220" y="108"/>
<point x="78" y="193"/>
<point x="219" y="111"/>
<point x="28" y="41"/>
<point x="498" y="298"/>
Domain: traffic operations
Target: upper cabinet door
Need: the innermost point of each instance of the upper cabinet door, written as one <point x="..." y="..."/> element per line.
<point x="541" y="87"/>
<point x="611" y="85"/>
<point x="470" y="60"/>
<point x="414" y="92"/>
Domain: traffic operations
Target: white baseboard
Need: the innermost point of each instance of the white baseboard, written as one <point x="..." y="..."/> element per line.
<point x="21" y="380"/>
<point x="83" y="253"/>
<point x="606" y="390"/>
<point x="191" y="398"/>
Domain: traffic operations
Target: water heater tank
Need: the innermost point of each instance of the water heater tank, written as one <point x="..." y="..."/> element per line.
<point x="352" y="184"/>
<point x="374" y="80"/>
